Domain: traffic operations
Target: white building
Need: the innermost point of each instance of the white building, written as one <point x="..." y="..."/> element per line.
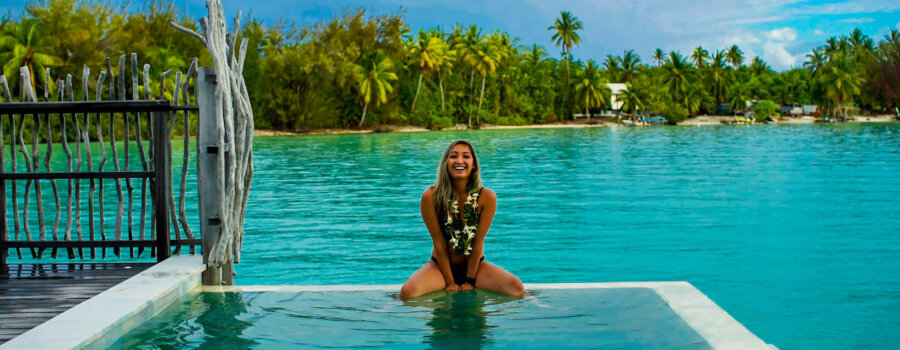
<point x="616" y="91"/>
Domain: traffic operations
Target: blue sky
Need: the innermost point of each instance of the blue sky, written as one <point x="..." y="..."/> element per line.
<point x="781" y="32"/>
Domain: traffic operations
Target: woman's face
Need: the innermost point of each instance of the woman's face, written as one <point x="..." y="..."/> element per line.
<point x="460" y="162"/>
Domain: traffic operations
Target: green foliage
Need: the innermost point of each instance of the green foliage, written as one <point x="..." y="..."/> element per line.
<point x="321" y="75"/>
<point x="764" y="109"/>
<point x="675" y="113"/>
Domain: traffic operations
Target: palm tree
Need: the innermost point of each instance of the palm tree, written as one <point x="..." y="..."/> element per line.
<point x="630" y="62"/>
<point x="816" y="61"/>
<point x="735" y="56"/>
<point x="716" y="76"/>
<point x="758" y="66"/>
<point x="699" y="56"/>
<point x="659" y="56"/>
<point x="465" y="48"/>
<point x="611" y="65"/>
<point x="374" y="81"/>
<point x="893" y="37"/>
<point x="676" y="73"/>
<point x="565" y="35"/>
<point x="443" y="63"/>
<point x="591" y="90"/>
<point x="536" y="55"/>
<point x="24" y="46"/>
<point x="485" y="61"/>
<point x="694" y="97"/>
<point x="860" y="42"/>
<point x="631" y="102"/>
<point x="423" y="52"/>
<point x="841" y="81"/>
<point x="738" y="95"/>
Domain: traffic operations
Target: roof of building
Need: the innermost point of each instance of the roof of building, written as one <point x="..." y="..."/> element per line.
<point x="617" y="88"/>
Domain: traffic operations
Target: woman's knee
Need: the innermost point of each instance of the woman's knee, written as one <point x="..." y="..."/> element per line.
<point x="515" y="286"/>
<point x="409" y="289"/>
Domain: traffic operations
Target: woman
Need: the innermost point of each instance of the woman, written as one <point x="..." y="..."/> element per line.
<point x="458" y="212"/>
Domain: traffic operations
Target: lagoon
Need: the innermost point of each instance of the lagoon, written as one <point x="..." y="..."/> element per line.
<point x="791" y="229"/>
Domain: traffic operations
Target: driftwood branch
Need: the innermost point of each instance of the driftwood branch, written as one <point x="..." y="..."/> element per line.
<point x="140" y="144"/>
<point x="120" y="203"/>
<point x="182" y="217"/>
<point x="99" y="128"/>
<point x="234" y="125"/>
<point x="26" y="89"/>
<point x="49" y="135"/>
<point x="188" y="32"/>
<point x="7" y="97"/>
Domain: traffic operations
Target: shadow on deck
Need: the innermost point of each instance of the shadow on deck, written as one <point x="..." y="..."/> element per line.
<point x="31" y="294"/>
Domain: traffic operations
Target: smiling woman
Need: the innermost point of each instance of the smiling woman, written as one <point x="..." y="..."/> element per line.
<point x="458" y="211"/>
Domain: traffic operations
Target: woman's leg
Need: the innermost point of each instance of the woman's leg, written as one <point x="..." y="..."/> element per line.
<point x="495" y="278"/>
<point x="426" y="280"/>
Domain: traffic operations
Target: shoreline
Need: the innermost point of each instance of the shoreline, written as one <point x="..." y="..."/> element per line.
<point x="703" y="120"/>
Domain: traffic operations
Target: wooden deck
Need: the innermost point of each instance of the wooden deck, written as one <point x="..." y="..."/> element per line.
<point x="31" y="294"/>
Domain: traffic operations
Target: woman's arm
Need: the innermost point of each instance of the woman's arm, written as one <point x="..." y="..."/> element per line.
<point x="426" y="207"/>
<point x="488" y="203"/>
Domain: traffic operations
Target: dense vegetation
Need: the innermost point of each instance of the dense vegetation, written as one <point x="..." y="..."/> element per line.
<point x="360" y="69"/>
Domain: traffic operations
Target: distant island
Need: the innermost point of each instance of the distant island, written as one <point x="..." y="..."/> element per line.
<point x="368" y="71"/>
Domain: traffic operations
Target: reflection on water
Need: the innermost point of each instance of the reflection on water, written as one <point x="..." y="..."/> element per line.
<point x="224" y="324"/>
<point x="625" y="318"/>
<point x="459" y="320"/>
<point x="201" y="321"/>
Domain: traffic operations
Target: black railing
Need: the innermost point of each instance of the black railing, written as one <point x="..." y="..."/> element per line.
<point x="153" y="113"/>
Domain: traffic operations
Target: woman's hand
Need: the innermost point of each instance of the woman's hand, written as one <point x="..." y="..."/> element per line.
<point x="466" y="287"/>
<point x="452" y="287"/>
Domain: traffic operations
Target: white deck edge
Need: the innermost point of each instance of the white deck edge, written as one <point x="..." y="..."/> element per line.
<point x="98" y="322"/>
<point x="712" y="323"/>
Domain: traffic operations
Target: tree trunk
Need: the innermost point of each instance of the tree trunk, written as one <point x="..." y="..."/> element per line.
<point x="419" y="87"/>
<point x="481" y="99"/>
<point x="364" y="115"/>
<point x="566" y="97"/>
<point x="441" y="85"/>
<point x="471" y="83"/>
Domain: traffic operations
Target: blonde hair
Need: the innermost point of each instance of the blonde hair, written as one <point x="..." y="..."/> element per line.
<point x="442" y="190"/>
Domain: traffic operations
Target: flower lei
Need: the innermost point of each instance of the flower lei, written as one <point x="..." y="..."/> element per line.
<point x="462" y="231"/>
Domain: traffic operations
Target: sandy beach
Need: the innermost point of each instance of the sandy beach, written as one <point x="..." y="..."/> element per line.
<point x="719" y="120"/>
<point x="580" y="123"/>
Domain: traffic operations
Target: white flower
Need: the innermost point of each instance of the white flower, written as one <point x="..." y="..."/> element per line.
<point x="471" y="234"/>
<point x="453" y="241"/>
<point x="449" y="220"/>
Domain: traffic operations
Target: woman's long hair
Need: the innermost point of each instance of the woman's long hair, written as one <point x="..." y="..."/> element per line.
<point x="442" y="190"/>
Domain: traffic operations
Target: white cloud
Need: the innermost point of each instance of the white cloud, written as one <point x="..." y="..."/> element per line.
<point x="849" y="7"/>
<point x="858" y="20"/>
<point x="783" y="34"/>
<point x="818" y="32"/>
<point x="776" y="54"/>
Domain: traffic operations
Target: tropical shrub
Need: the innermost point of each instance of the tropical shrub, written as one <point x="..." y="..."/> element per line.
<point x="764" y="109"/>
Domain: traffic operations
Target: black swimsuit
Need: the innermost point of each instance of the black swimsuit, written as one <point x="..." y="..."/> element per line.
<point x="459" y="271"/>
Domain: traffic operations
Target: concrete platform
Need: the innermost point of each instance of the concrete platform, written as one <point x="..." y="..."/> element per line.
<point x="99" y="321"/>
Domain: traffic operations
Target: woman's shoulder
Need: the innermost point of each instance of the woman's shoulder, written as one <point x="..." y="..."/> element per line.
<point x="429" y="192"/>
<point x="488" y="194"/>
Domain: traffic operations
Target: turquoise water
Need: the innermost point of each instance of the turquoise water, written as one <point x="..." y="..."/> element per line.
<point x="625" y="318"/>
<point x="793" y="230"/>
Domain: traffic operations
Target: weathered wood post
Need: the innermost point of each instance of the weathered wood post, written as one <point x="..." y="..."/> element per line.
<point x="207" y="159"/>
<point x="160" y="186"/>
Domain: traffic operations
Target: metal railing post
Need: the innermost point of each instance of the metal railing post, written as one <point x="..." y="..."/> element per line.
<point x="160" y="185"/>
